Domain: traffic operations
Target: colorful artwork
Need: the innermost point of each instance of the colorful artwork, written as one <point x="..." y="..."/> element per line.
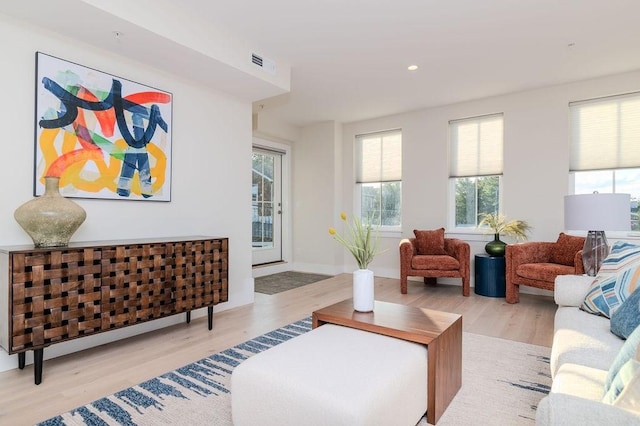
<point x="103" y="136"/>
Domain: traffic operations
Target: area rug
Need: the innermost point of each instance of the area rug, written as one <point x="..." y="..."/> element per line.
<point x="503" y="381"/>
<point x="283" y="281"/>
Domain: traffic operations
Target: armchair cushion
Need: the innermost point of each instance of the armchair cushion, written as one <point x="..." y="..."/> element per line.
<point x="565" y="249"/>
<point x="543" y="271"/>
<point x="430" y="242"/>
<point x="439" y="263"/>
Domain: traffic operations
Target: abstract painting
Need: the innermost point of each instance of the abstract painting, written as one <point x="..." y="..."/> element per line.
<point x="103" y="136"/>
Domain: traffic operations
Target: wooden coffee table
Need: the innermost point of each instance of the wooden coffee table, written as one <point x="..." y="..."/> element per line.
<point x="440" y="332"/>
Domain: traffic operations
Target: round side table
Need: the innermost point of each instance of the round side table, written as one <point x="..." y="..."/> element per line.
<point x="490" y="273"/>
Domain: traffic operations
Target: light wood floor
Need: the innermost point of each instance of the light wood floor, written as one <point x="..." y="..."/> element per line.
<point x="80" y="378"/>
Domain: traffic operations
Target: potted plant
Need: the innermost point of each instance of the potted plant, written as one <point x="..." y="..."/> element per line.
<point x="498" y="224"/>
<point x="362" y="242"/>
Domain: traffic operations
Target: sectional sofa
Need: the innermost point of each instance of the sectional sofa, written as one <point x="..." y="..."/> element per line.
<point x="582" y="354"/>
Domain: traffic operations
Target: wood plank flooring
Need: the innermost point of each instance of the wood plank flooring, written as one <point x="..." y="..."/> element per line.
<point x="82" y="377"/>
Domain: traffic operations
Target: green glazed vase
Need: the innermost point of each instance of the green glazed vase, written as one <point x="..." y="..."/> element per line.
<point x="496" y="247"/>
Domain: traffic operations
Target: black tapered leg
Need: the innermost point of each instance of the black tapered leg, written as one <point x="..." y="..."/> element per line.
<point x="21" y="360"/>
<point x="37" y="365"/>
<point x="210" y="316"/>
<point x="188" y="317"/>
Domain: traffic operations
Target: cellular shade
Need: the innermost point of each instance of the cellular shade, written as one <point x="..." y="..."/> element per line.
<point x="605" y="133"/>
<point x="379" y="157"/>
<point x="476" y="146"/>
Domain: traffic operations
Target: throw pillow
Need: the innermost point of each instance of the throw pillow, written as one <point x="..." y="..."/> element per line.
<point x="608" y="292"/>
<point x="565" y="249"/>
<point x="430" y="242"/>
<point x="621" y="256"/>
<point x="626" y="353"/>
<point x="624" y="390"/>
<point x="605" y="292"/>
<point x="626" y="318"/>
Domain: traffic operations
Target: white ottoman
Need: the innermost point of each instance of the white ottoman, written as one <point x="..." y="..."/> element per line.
<point x="332" y="375"/>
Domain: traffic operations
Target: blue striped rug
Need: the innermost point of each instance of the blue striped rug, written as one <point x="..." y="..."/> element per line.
<point x="171" y="398"/>
<point x="502" y="383"/>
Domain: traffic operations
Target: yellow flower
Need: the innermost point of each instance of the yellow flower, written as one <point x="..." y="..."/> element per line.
<point x="362" y="241"/>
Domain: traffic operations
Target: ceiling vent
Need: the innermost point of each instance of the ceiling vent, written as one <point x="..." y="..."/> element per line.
<point x="264" y="63"/>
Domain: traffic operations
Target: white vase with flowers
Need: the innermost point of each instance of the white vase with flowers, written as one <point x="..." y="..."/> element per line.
<point x="362" y="242"/>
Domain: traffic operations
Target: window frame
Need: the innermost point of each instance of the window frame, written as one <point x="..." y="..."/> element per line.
<point x="451" y="215"/>
<point x="625" y="125"/>
<point x="384" y="230"/>
<point x="473" y="230"/>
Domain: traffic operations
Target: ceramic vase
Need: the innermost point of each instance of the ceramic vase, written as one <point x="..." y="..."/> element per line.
<point x="51" y="219"/>
<point x="495" y="248"/>
<point x="363" y="294"/>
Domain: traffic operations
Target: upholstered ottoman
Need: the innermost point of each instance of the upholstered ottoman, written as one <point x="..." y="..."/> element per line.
<point x="332" y="375"/>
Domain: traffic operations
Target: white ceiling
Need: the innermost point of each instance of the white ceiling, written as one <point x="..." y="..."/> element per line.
<point x="349" y="58"/>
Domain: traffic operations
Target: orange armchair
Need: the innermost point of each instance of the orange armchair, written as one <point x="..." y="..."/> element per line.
<point x="451" y="261"/>
<point x="537" y="264"/>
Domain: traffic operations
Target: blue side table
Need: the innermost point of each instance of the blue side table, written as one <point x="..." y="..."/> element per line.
<point x="490" y="273"/>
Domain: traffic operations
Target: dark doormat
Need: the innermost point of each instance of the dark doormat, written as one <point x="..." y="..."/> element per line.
<point x="283" y="281"/>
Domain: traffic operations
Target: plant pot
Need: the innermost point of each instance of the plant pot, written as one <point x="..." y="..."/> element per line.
<point x="51" y="219"/>
<point x="363" y="293"/>
<point x="495" y="248"/>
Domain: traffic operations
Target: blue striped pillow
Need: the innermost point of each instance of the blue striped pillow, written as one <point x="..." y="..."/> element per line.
<point x="621" y="256"/>
<point x="618" y="277"/>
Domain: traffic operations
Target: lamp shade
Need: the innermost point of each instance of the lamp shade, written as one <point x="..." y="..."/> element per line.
<point x="597" y="212"/>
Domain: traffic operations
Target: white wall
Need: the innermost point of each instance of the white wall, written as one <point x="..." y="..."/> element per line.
<point x="210" y="187"/>
<point x="536" y="156"/>
<point x="535" y="173"/>
<point x="315" y="173"/>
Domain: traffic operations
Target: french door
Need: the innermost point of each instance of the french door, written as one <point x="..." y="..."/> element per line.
<point x="266" y="197"/>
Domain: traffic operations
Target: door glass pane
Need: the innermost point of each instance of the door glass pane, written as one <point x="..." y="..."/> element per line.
<point x="262" y="200"/>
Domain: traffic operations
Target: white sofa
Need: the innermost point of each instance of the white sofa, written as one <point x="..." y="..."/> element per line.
<point x="583" y="350"/>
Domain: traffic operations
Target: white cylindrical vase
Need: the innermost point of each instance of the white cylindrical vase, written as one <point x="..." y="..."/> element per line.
<point x="363" y="294"/>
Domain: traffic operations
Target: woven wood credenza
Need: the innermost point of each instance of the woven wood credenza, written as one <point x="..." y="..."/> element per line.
<point x="61" y="293"/>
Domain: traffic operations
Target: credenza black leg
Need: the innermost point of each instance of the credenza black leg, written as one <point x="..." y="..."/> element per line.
<point x="210" y="316"/>
<point x="37" y="365"/>
<point x="188" y="317"/>
<point x="21" y="360"/>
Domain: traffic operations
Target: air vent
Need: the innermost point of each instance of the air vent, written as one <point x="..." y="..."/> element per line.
<point x="264" y="63"/>
<point x="256" y="59"/>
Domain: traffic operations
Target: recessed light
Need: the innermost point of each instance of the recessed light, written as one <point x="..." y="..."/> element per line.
<point x="412" y="67"/>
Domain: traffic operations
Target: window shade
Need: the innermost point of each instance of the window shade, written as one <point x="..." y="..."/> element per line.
<point x="605" y="133"/>
<point x="379" y="157"/>
<point x="476" y="146"/>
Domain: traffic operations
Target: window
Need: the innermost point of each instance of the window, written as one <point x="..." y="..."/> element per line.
<point x="379" y="177"/>
<point x="475" y="168"/>
<point x="605" y="148"/>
